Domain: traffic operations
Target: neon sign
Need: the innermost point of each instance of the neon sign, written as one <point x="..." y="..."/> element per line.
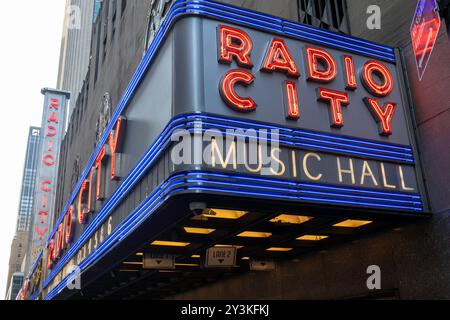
<point x="83" y="206"/>
<point x="321" y="67"/>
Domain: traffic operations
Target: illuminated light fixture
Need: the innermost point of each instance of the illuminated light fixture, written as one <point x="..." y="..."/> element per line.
<point x="195" y="256"/>
<point x="229" y="95"/>
<point x="316" y="58"/>
<point x="134" y="263"/>
<point x="279" y="59"/>
<point x="227" y="246"/>
<point x="187" y="265"/>
<point x="290" y="219"/>
<point x="245" y="258"/>
<point x="170" y="243"/>
<point x="382" y="115"/>
<point x="374" y="67"/>
<point x="279" y="249"/>
<point x="352" y="223"/>
<point x="312" y="238"/>
<point x="198" y="230"/>
<point x="336" y="100"/>
<point x="291" y="101"/>
<point x="139" y="254"/>
<point x="252" y="234"/>
<point x="223" y="214"/>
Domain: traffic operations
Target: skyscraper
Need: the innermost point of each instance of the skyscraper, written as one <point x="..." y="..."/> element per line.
<point x="20" y="242"/>
<point x="28" y="181"/>
<point x="75" y="46"/>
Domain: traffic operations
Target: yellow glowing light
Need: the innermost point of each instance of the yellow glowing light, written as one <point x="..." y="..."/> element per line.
<point x="251" y="234"/>
<point x="245" y="258"/>
<point x="139" y="254"/>
<point x="277" y="249"/>
<point x="290" y="219"/>
<point x="199" y="230"/>
<point x="170" y="243"/>
<point x="221" y="214"/>
<point x="187" y="265"/>
<point x="195" y="256"/>
<point x="312" y="238"/>
<point x="227" y="246"/>
<point x="352" y="223"/>
<point x="134" y="263"/>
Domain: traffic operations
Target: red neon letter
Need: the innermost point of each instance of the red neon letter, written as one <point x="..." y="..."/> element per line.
<point x="350" y="77"/>
<point x="41" y="232"/>
<point x="43" y="214"/>
<point x="82" y="212"/>
<point x="54" y="103"/>
<point x="68" y="222"/>
<point x="336" y="100"/>
<point x="291" y="101"/>
<point x="59" y="243"/>
<point x="318" y="58"/>
<point x="53" y="118"/>
<point x="51" y="131"/>
<point x="374" y="67"/>
<point x="46" y="186"/>
<point x="278" y="58"/>
<point x="50" y="256"/>
<point x="98" y="166"/>
<point x="235" y="43"/>
<point x="113" y="146"/>
<point x="48" y="160"/>
<point x="230" y="96"/>
<point x="383" y="116"/>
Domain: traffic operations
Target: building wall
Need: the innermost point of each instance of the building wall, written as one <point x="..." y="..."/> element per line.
<point x="19" y="248"/>
<point x="16" y="283"/>
<point x="20" y="242"/>
<point x="75" y="47"/>
<point x="110" y="70"/>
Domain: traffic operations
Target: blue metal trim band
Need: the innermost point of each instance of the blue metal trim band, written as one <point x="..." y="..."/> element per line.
<point x="200" y="181"/>
<point x="225" y="12"/>
<point x="189" y="122"/>
<point x="35" y="264"/>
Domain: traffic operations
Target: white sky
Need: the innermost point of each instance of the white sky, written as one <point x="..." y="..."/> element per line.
<point x="30" y="33"/>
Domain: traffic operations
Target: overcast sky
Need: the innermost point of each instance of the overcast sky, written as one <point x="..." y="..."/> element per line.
<point x="30" y="33"/>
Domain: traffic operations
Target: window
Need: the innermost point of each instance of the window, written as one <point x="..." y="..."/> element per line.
<point x="325" y="14"/>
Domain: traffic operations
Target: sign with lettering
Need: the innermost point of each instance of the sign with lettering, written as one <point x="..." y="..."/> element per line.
<point x="159" y="261"/>
<point x="424" y="31"/>
<point x="52" y="132"/>
<point x="285" y="114"/>
<point x="220" y="257"/>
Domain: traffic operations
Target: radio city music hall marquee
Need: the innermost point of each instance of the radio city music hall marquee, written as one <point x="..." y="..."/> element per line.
<point x="337" y="103"/>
